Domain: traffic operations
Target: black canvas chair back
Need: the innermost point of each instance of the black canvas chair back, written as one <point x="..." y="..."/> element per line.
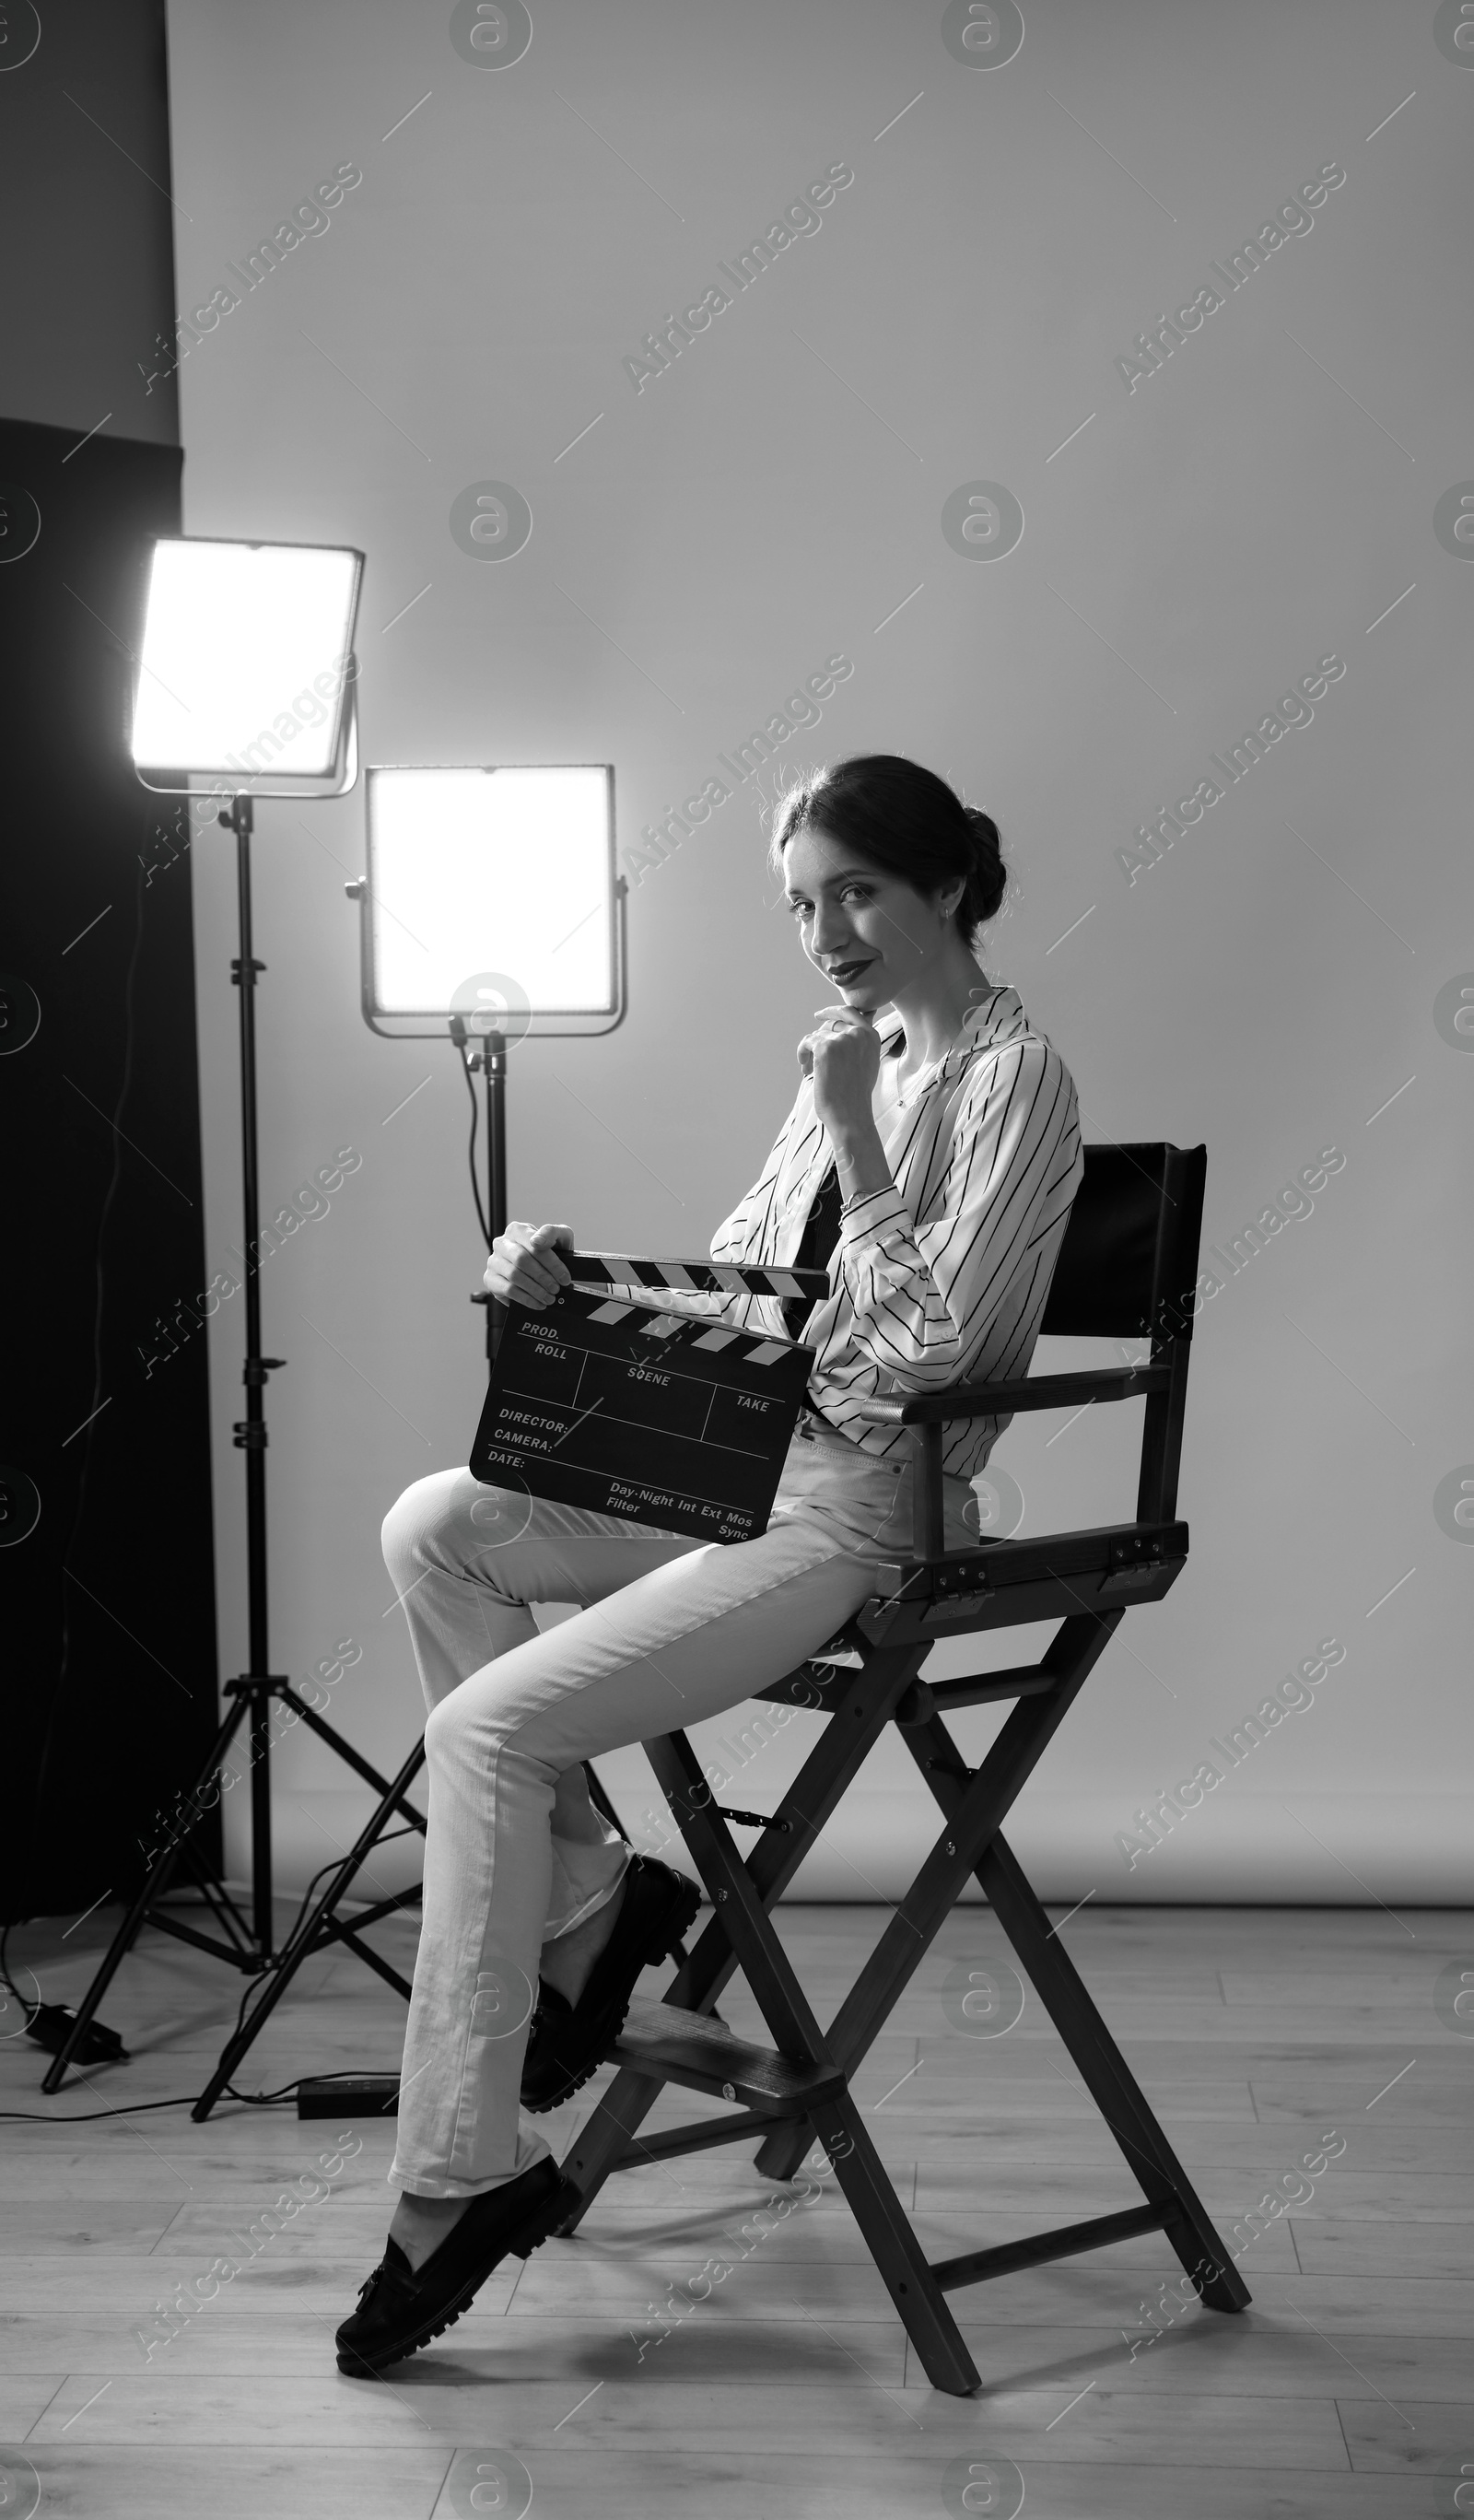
<point x="1130" y="1251"/>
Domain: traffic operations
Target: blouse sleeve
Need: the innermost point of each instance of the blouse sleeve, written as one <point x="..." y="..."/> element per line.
<point x="922" y="1298"/>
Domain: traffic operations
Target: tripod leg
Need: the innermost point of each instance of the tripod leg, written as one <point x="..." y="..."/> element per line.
<point x="156" y="1882"/>
<point x="305" y="1938"/>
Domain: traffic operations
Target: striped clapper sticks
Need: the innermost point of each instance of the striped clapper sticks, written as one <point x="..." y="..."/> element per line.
<point x="698" y="1277"/>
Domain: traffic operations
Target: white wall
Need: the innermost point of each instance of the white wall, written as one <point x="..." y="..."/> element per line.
<point x="700" y="546"/>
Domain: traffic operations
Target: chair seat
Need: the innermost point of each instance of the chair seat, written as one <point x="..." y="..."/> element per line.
<point x="702" y="2055"/>
<point x="1017" y="1581"/>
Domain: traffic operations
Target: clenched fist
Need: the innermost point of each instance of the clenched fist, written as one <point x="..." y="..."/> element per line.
<point x="843" y="1058"/>
<point x="523" y="1266"/>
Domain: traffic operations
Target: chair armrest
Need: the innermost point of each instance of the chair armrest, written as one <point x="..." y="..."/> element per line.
<point x="1004" y="1399"/>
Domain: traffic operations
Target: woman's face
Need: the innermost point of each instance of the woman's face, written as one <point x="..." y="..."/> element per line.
<point x="869" y="933"/>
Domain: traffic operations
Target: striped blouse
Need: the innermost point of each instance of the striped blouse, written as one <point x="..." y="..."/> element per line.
<point x="941" y="1278"/>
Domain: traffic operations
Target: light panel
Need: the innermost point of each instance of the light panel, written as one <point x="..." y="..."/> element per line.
<point x="246" y="653"/>
<point x="487" y="876"/>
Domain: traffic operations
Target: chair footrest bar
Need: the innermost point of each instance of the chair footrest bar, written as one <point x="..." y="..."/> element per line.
<point x="699" y="2134"/>
<point x="980" y="2265"/>
<point x="689" y="2048"/>
<point x="983" y="1688"/>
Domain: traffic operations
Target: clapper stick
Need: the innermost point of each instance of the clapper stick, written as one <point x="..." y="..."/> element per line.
<point x="695" y="1276"/>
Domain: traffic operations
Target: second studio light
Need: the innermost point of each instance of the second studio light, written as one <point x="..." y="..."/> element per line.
<point x="491" y="895"/>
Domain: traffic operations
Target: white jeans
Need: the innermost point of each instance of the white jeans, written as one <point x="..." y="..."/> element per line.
<point x="671" y="1629"/>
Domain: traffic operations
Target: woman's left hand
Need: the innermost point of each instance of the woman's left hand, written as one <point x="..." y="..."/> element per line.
<point x="843" y="1058"/>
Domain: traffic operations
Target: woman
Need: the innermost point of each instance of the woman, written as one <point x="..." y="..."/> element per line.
<point x="930" y="1160"/>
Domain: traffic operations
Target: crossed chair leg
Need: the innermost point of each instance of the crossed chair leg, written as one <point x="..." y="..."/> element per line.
<point x="799" y="2092"/>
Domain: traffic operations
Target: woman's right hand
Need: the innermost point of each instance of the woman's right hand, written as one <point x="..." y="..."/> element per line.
<point x="523" y="1266"/>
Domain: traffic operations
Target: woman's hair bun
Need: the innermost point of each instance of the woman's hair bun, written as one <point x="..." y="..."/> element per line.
<point x="990" y="874"/>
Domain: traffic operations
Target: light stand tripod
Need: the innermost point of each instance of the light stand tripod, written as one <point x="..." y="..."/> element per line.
<point x="250" y="1948"/>
<point x="246" y="1946"/>
<point x="319" y="1923"/>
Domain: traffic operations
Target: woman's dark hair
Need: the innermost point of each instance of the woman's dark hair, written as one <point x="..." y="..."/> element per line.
<point x="904" y="820"/>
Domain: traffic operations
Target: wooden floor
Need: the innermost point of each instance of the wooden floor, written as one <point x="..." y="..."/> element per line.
<point x="1347" y="2388"/>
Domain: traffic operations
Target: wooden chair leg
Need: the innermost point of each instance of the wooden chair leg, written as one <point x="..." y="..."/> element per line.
<point x="742" y="1907"/>
<point x="779" y="2155"/>
<point x="974" y="1803"/>
<point x="611" y="2131"/>
<point x="893" y="2244"/>
<point x="857" y="1716"/>
<point x="1102" y="2067"/>
<point x="859" y="1713"/>
<point x="1108" y="2076"/>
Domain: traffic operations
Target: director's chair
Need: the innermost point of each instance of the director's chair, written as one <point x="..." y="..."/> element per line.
<point x="1126" y="1268"/>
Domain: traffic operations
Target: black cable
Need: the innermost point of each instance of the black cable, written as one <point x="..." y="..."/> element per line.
<point x="29" y="2009"/>
<point x="79" y="2117"/>
<point x="185" y="2100"/>
<point x="475" y="1186"/>
<point x="255" y="2099"/>
<point x="261" y="2098"/>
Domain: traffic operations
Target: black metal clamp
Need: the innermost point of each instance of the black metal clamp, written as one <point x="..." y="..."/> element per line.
<point x="1138" y="1558"/>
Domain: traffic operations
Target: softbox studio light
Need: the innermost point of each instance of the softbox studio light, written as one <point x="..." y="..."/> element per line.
<point x="491" y="912"/>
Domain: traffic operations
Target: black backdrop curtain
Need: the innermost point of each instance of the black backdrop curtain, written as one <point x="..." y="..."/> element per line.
<point x="106" y="1571"/>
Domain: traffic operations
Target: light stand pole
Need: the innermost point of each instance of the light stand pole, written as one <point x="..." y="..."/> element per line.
<point x="255" y="1688"/>
<point x="491" y="1060"/>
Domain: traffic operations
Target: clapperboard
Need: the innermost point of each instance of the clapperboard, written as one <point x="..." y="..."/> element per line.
<point x="666" y="1417"/>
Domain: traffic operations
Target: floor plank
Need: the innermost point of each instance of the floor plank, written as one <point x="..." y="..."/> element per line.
<point x="1420" y="2436"/>
<point x="430" y="2480"/>
<point x="461" y="2391"/>
<point x="1375" y="2249"/>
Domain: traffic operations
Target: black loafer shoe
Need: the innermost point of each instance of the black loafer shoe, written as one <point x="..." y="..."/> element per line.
<point x="568" y="2043"/>
<point x="401" y="2308"/>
